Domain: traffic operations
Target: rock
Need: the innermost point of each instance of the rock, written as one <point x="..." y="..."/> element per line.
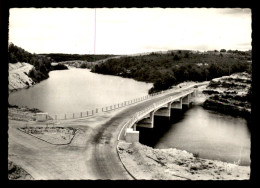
<point x="18" y="76"/>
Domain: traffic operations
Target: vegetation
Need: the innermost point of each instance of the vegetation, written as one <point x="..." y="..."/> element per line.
<point x="59" y="67"/>
<point x="173" y="67"/>
<point x="42" y="64"/>
<point x="58" y="57"/>
<point x="230" y="95"/>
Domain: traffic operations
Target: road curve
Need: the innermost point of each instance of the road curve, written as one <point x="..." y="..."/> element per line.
<point x="106" y="161"/>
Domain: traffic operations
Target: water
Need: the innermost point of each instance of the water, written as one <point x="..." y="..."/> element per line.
<point x="77" y="90"/>
<point x="209" y="134"/>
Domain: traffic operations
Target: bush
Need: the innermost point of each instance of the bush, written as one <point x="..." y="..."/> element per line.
<point x="59" y="67"/>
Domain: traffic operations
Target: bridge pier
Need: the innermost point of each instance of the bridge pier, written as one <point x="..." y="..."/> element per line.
<point x="194" y="94"/>
<point x="177" y="104"/>
<point x="147" y="122"/>
<point x="186" y="100"/>
<point x="164" y="111"/>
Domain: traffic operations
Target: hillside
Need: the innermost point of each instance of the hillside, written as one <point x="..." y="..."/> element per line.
<point x="41" y="64"/>
<point x="59" y="57"/>
<point x="18" y="76"/>
<point x="230" y="94"/>
<point x="165" y="69"/>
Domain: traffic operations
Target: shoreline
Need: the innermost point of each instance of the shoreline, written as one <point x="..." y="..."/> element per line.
<point x="18" y="76"/>
<point x="230" y="95"/>
<point x="147" y="163"/>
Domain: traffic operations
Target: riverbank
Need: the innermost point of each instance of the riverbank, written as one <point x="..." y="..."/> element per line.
<point x="230" y="95"/>
<point x="146" y="163"/>
<point x="19" y="75"/>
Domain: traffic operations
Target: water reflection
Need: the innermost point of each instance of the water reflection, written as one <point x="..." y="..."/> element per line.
<point x="212" y="135"/>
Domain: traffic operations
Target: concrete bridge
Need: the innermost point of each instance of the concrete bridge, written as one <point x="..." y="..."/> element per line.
<point x="145" y="117"/>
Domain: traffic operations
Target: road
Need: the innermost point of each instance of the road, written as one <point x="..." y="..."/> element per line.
<point x="91" y="155"/>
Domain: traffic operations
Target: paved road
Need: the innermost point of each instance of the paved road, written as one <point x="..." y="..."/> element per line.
<point x="91" y="155"/>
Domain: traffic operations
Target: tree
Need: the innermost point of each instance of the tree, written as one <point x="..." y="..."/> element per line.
<point x="176" y="57"/>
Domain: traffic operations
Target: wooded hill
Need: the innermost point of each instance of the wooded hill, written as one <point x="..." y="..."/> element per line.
<point x="170" y="68"/>
<point x="59" y="57"/>
<point x="42" y="64"/>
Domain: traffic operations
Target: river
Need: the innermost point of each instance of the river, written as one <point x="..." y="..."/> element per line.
<point x="209" y="134"/>
<point x="78" y="90"/>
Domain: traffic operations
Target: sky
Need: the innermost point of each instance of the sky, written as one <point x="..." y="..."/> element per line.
<point x="129" y="30"/>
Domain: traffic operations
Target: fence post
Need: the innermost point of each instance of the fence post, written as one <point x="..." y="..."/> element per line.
<point x="96" y="110"/>
<point x="80" y="114"/>
<point x="73" y="115"/>
<point x="65" y="116"/>
<point x="87" y="113"/>
<point x="92" y="112"/>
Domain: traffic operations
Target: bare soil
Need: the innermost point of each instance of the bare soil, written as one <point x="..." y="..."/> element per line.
<point x="22" y="114"/>
<point x="53" y="135"/>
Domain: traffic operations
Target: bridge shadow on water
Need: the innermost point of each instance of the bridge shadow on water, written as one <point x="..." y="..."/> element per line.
<point x="151" y="136"/>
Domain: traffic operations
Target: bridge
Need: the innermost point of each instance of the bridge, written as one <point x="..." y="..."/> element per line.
<point x="92" y="154"/>
<point x="145" y="117"/>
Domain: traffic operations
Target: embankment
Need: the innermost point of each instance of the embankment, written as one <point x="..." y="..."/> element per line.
<point x="144" y="162"/>
<point x="230" y="95"/>
<point x="18" y="76"/>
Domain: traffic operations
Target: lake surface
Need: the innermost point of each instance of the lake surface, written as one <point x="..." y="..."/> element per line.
<point x="77" y="90"/>
<point x="209" y="134"/>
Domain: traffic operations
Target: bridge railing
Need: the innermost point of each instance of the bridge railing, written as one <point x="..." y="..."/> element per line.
<point x="95" y="111"/>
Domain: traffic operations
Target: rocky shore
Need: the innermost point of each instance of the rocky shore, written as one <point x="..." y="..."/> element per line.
<point x="18" y="76"/>
<point x="147" y="163"/>
<point x="230" y="95"/>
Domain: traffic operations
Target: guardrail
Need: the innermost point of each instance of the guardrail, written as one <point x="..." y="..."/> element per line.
<point x="96" y="111"/>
